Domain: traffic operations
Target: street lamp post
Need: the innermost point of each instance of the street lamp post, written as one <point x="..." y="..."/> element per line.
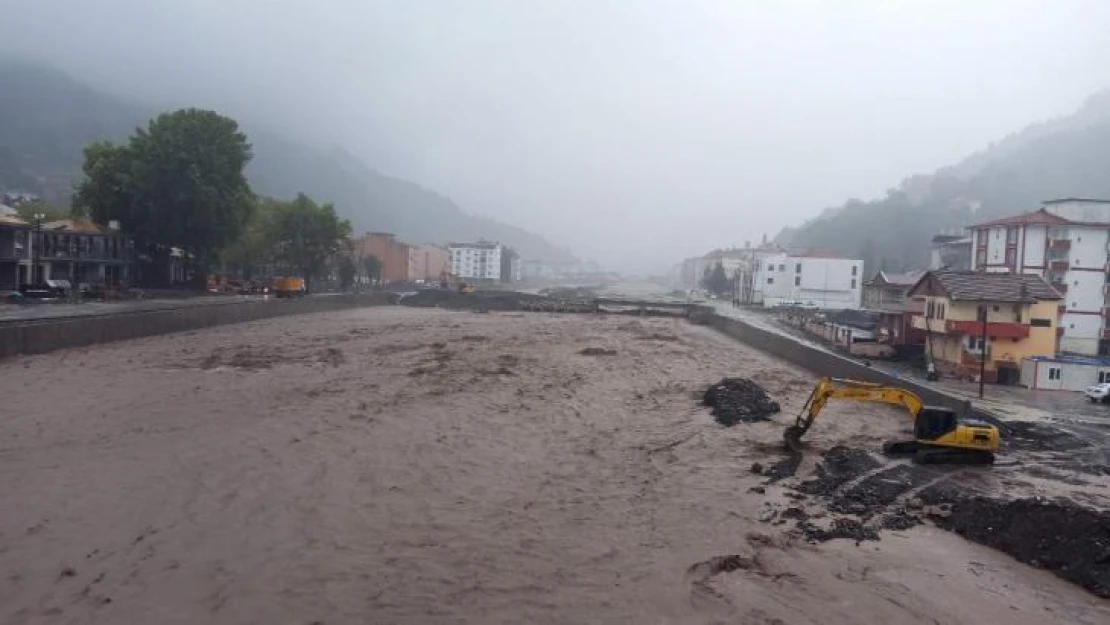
<point x="982" y="349"/>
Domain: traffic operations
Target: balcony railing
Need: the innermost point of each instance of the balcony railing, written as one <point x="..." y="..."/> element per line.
<point x="995" y="329"/>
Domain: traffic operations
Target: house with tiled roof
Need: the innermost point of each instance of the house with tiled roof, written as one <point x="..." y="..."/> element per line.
<point x="992" y="321"/>
<point x="1066" y="243"/>
<point x="886" y="295"/>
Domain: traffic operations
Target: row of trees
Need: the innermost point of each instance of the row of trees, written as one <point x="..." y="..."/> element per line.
<point x="180" y="183"/>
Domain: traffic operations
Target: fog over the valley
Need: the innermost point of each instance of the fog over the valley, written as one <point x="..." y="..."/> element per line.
<point x="634" y="131"/>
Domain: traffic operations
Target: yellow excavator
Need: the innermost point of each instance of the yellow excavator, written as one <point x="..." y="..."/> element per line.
<point x="941" y="436"/>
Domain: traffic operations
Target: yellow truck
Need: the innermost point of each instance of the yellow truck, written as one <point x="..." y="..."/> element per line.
<point x="289" y="287"/>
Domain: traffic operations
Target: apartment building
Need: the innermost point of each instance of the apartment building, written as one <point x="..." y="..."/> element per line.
<point x="1066" y="242"/>
<point x="394" y="255"/>
<point x="427" y="262"/>
<point x="479" y="262"/>
<point x="1019" y="312"/>
<point x="775" y="278"/>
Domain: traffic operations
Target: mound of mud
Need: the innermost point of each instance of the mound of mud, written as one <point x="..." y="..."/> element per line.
<point x="1071" y="541"/>
<point x="734" y="400"/>
<point x="841" y="465"/>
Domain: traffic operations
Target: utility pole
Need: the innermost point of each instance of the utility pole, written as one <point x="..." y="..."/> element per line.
<point x="982" y="349"/>
<point x="37" y="251"/>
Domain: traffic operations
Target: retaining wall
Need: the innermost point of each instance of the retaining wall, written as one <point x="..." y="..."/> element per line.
<point x="824" y="363"/>
<point x="41" y="336"/>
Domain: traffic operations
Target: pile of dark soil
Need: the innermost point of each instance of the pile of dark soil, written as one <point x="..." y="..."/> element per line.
<point x="734" y="400"/>
<point x="876" y="492"/>
<point x="840" y="528"/>
<point x="1071" y="541"/>
<point x="841" y="465"/>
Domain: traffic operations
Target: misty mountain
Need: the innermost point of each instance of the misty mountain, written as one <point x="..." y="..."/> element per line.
<point x="47" y="118"/>
<point x="1065" y="157"/>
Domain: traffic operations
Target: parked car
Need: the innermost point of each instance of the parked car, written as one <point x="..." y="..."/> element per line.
<point x="1098" y="393"/>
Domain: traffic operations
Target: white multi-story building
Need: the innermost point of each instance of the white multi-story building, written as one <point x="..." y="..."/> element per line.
<point x="1066" y="243"/>
<point x="476" y="261"/>
<point x="827" y="282"/>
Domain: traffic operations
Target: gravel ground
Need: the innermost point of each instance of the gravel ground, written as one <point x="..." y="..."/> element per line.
<point x="397" y="465"/>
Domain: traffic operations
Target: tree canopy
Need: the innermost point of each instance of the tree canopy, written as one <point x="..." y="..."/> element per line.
<point x="177" y="183"/>
<point x="304" y="236"/>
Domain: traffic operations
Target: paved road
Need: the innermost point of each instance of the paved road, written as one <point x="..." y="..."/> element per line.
<point x="49" y="310"/>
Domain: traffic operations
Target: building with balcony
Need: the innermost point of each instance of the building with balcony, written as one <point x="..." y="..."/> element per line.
<point x="1021" y="321"/>
<point x="1066" y="243"/>
<point x="949" y="251"/>
<point x="83" y="252"/>
<point x="887" y="296"/>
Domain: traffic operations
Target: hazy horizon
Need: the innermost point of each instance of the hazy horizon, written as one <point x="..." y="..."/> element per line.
<point x="634" y="133"/>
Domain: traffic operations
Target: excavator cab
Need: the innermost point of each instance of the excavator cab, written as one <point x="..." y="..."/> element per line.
<point x="941" y="435"/>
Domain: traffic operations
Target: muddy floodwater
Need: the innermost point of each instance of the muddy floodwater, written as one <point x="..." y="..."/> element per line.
<point x="396" y="465"/>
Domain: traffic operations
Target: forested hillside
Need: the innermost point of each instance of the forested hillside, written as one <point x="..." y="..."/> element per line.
<point x="47" y="118"/>
<point x="1065" y="157"/>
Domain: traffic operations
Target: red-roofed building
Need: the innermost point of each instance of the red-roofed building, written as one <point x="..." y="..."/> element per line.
<point x="1066" y="243"/>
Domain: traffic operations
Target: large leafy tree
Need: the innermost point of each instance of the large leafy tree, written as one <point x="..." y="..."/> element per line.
<point x="179" y="182"/>
<point x="304" y="236"/>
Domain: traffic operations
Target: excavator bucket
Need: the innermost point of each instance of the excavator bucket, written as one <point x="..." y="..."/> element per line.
<point x="792" y="436"/>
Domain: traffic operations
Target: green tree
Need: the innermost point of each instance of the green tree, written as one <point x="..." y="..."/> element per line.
<point x="253" y="248"/>
<point x="345" y="267"/>
<point x="304" y="236"/>
<point x="716" y="280"/>
<point x="28" y="210"/>
<point x="373" y="267"/>
<point x="177" y="183"/>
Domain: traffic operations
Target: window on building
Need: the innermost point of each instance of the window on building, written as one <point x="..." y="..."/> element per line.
<point x="771" y="268"/>
<point x="980" y="258"/>
<point x="782" y="267"/>
<point x="797" y="267"/>
<point x="770" y="280"/>
<point x="1103" y="376"/>
<point x="943" y="310"/>
<point x="855" y="270"/>
<point x="1011" y="234"/>
<point x="1011" y="256"/>
<point x="1054" y="373"/>
<point x="797" y="281"/>
<point x="1040" y="323"/>
<point x="853" y="283"/>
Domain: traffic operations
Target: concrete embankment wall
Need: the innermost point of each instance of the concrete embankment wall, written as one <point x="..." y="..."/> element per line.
<point x="820" y="362"/>
<point x="41" y="336"/>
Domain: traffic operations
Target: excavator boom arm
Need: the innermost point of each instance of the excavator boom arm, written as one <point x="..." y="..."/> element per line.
<point x="839" y="388"/>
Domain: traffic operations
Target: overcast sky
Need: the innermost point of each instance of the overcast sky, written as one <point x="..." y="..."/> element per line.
<point x="635" y="131"/>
